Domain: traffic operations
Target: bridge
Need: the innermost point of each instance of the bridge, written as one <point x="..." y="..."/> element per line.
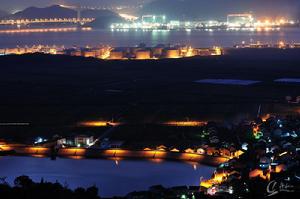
<point x="50" y="20"/>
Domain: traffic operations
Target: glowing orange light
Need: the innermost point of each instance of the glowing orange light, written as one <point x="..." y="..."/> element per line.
<point x="156" y="160"/>
<point x="280" y="168"/>
<point x="207" y="183"/>
<point x="259" y="173"/>
<point x="265" y="117"/>
<point x="174" y="150"/>
<point x="189" y="150"/>
<point x="98" y="123"/>
<point x="186" y="123"/>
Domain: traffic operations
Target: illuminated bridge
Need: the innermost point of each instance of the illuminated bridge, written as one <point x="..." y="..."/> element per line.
<point x="51" y="20"/>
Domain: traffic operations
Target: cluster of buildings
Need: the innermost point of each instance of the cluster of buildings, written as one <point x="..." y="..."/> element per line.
<point x="258" y="44"/>
<point x="87" y="141"/>
<point x="263" y="157"/>
<point x="271" y="154"/>
<point x="240" y="21"/>
<point x="33" y="49"/>
<point x="140" y="52"/>
<point x="211" y="143"/>
<point x="107" y="52"/>
<point x="158" y="191"/>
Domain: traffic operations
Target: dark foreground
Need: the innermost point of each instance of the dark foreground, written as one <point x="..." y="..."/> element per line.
<point x="24" y="188"/>
<point x="53" y="93"/>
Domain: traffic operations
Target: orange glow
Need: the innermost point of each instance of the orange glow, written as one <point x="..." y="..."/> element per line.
<point x="236" y="154"/>
<point x="98" y="123"/>
<point x="40" y="30"/>
<point x="189" y="150"/>
<point x="265" y="117"/>
<point x="36" y="150"/>
<point x="156" y="160"/>
<point x="217" y="178"/>
<point x="259" y="173"/>
<point x="5" y="147"/>
<point x="207" y="183"/>
<point x="38" y="156"/>
<point x="281" y="44"/>
<point x="72" y="152"/>
<point x="121" y="153"/>
<point x="115" y="154"/>
<point x="186" y="123"/>
<point x="76" y="157"/>
<point x="267" y="21"/>
<point x="161" y="148"/>
<point x="217" y="51"/>
<point x="280" y="168"/>
<point x="174" y="150"/>
<point x="160" y="154"/>
<point x="148" y="154"/>
<point x="220" y="177"/>
<point x="191" y="157"/>
<point x="109" y="153"/>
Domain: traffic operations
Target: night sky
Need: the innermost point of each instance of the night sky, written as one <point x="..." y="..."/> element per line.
<point x="287" y="5"/>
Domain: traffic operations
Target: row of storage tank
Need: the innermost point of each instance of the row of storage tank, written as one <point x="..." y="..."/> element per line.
<point x="150" y="53"/>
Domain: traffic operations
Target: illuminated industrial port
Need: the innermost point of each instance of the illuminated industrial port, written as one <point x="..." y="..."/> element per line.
<point x="140" y="52"/>
<point x="236" y="22"/>
<point x="111" y="53"/>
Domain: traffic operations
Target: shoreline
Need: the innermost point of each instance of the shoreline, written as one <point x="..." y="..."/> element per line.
<point x="78" y="153"/>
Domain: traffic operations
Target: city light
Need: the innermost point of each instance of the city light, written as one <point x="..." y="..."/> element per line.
<point x="46" y="20"/>
<point x="185" y="123"/>
<point x="98" y="123"/>
<point x="257" y="132"/>
<point x="128" y="17"/>
<point x="235" y="22"/>
<point x="42" y="30"/>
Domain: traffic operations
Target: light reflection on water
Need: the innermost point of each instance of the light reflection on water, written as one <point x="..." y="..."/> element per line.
<point x="195" y="38"/>
<point x="112" y="177"/>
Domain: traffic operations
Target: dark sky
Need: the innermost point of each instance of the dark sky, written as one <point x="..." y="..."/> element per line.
<point x="287" y="5"/>
<point x="12" y="5"/>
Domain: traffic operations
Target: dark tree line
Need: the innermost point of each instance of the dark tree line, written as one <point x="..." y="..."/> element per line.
<point x="25" y="188"/>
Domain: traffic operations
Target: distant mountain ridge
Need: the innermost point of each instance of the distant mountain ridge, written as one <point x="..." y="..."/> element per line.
<point x="57" y="11"/>
<point x="103" y="18"/>
<point x="218" y="9"/>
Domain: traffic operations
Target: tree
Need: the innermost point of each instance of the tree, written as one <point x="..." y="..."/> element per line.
<point x="92" y="191"/>
<point x="23" y="181"/>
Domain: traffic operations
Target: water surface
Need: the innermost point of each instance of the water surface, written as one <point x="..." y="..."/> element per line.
<point x="111" y="178"/>
<point x="196" y="38"/>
